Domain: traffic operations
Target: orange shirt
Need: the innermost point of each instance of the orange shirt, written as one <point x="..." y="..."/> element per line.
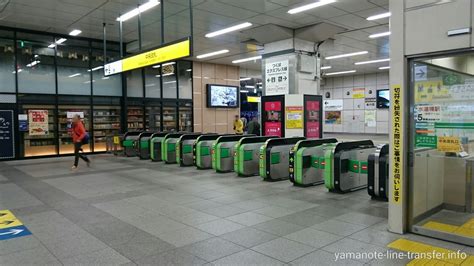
<point x="78" y="131"/>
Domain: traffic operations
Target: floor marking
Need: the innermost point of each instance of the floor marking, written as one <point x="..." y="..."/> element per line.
<point x="467" y="229"/>
<point x="10" y="226"/>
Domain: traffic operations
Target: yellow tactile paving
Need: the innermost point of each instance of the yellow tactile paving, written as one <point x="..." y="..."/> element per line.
<point x="428" y="262"/>
<point x="468" y="262"/>
<point x="440" y="226"/>
<point x="467" y="229"/>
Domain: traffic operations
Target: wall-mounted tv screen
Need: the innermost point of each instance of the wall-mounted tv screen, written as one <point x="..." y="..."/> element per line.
<point x="383" y="98"/>
<point x="222" y="96"/>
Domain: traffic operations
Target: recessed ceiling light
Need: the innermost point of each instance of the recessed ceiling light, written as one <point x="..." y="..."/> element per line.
<point x="310" y="6"/>
<point x="249" y="87"/>
<point x="384" y="67"/>
<point x="340" y="72"/>
<point x="95" y="68"/>
<point x="247" y="59"/>
<point x="52" y="45"/>
<point x="169" y="63"/>
<point x="379" y="16"/>
<point x="229" y="29"/>
<point x="244" y="79"/>
<point x="326" y="67"/>
<point x="61" y="40"/>
<point x="142" y="8"/>
<point x="189" y="70"/>
<point x="372" y="61"/>
<point x="346" y="55"/>
<point x="212" y="54"/>
<point x="75" y="32"/>
<point x="74" y="75"/>
<point x="377" y="35"/>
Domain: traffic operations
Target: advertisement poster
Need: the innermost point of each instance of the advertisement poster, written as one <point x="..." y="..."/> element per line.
<point x="23" y="122"/>
<point x="7" y="141"/>
<point x="333" y="117"/>
<point x="38" y="122"/>
<point x="449" y="144"/>
<point x="358" y="93"/>
<point x="294" y="117"/>
<point x="273" y="123"/>
<point x="370" y="118"/>
<point x="313" y="125"/>
<point x="333" y="105"/>
<point x="277" y="78"/>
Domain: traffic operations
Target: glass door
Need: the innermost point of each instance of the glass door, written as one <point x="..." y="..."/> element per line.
<point x="39" y="137"/>
<point x="106" y="125"/>
<point x="186" y="117"/>
<point x="153" y="118"/>
<point x="169" y="117"/>
<point x="66" y="113"/>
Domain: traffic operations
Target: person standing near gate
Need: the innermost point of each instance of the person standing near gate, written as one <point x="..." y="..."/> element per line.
<point x="254" y="126"/>
<point x="79" y="137"/>
<point x="238" y="125"/>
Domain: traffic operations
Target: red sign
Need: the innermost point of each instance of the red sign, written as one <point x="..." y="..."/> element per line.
<point x="273" y="119"/>
<point x="313" y="125"/>
<point x="273" y="129"/>
<point x="272" y="106"/>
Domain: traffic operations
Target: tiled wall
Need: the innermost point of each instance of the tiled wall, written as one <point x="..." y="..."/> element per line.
<point x="353" y="120"/>
<point x="210" y="119"/>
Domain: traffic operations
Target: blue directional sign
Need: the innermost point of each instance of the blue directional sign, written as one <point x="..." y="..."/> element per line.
<point x="13" y="232"/>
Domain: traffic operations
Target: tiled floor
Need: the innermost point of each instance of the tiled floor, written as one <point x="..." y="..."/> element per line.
<point x="124" y="211"/>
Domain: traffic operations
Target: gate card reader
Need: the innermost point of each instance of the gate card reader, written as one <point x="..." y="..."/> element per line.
<point x="246" y="158"/>
<point x="184" y="149"/>
<point x="223" y="152"/>
<point x="346" y="165"/>
<point x="168" y="147"/>
<point x="143" y="147"/>
<point x="202" y="150"/>
<point x="274" y="158"/>
<point x="128" y="143"/>
<point x="307" y="161"/>
<point x="155" y="145"/>
<point x="377" y="176"/>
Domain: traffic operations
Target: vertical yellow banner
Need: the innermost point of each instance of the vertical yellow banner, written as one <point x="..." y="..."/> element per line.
<point x="396" y="157"/>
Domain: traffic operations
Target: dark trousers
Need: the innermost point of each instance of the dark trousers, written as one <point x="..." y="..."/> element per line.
<point x="77" y="155"/>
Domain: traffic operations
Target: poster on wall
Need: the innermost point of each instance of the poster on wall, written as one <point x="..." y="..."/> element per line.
<point x="449" y="144"/>
<point x="428" y="113"/>
<point x="358" y="93"/>
<point x="70" y="115"/>
<point x="294" y="117"/>
<point x="23" y="122"/>
<point x="277" y="78"/>
<point x="7" y="141"/>
<point x="370" y="117"/>
<point x="273" y="117"/>
<point x="333" y="117"/>
<point x="313" y="124"/>
<point x="38" y="122"/>
<point x="333" y="105"/>
<point x="370" y="103"/>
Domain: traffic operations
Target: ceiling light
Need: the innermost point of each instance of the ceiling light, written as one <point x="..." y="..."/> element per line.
<point x="340" y="73"/>
<point x="169" y="82"/>
<point x="247" y="59"/>
<point x="169" y="63"/>
<point x="229" y="29"/>
<point x="377" y="35"/>
<point x="379" y="16"/>
<point x="259" y="83"/>
<point x="372" y="61"/>
<point x="212" y="54"/>
<point x="326" y="67"/>
<point x="310" y="6"/>
<point x="142" y="8"/>
<point x="74" y="75"/>
<point x="189" y="70"/>
<point x="384" y="67"/>
<point x="75" y="32"/>
<point x="165" y="75"/>
<point x="249" y="87"/>
<point x="52" y="45"/>
<point x="95" y="68"/>
<point x="244" y="91"/>
<point x="346" y="55"/>
<point x="244" y="79"/>
<point x="105" y="77"/>
<point x="61" y="40"/>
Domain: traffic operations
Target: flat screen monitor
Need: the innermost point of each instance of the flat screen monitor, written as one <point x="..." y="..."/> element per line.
<point x="222" y="96"/>
<point x="383" y="98"/>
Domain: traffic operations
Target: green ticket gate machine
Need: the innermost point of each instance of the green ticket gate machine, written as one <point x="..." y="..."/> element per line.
<point x="168" y="147"/>
<point x="307" y="161"/>
<point x="128" y="143"/>
<point x="274" y="158"/>
<point x="202" y="151"/>
<point x="184" y="149"/>
<point x="377" y="176"/>
<point x="144" y="145"/>
<point x="346" y="165"/>
<point x="247" y="154"/>
<point x="155" y="145"/>
<point x="222" y="152"/>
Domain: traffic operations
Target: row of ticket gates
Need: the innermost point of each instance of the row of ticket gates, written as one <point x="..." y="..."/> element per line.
<point x="340" y="166"/>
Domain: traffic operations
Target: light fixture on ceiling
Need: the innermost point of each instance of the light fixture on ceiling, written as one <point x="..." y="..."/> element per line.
<point x="189" y="70"/>
<point x="249" y="87"/>
<point x="95" y="68"/>
<point x="378" y="35"/>
<point x="379" y="16"/>
<point x="105" y="77"/>
<point x="310" y="6"/>
<point x="244" y="79"/>
<point x="212" y="54"/>
<point x="247" y="59"/>
<point x="346" y="55"/>
<point x="61" y="40"/>
<point x="75" y="32"/>
<point x="74" y="75"/>
<point x="325" y="67"/>
<point x="169" y="82"/>
<point x="165" y="75"/>
<point x="244" y="91"/>
<point x="52" y="45"/>
<point x="34" y="63"/>
<point x="142" y="8"/>
<point x="384" y="67"/>
<point x="229" y="29"/>
<point x="372" y="61"/>
<point x="165" y="64"/>
<point x="340" y="72"/>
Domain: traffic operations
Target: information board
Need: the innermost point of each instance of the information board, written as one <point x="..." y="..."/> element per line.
<point x="294" y="117"/>
<point x="7" y="140"/>
<point x="313" y="119"/>
<point x="38" y="122"/>
<point x="276" y="77"/>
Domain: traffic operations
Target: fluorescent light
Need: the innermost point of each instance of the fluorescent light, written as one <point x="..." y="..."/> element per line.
<point x="105" y="77"/>
<point x="247" y="59"/>
<point x="19" y="70"/>
<point x="372" y="61"/>
<point x="310" y="6"/>
<point x="326" y="67"/>
<point x="229" y="29"/>
<point x="61" y="40"/>
<point x="95" y="68"/>
<point x="377" y="35"/>
<point x="249" y="87"/>
<point x="212" y="54"/>
<point x="52" y="45"/>
<point x="384" y="67"/>
<point x="169" y="63"/>
<point x="75" y="32"/>
<point x="189" y="70"/>
<point x="74" y="75"/>
<point x="169" y="82"/>
<point x="165" y="75"/>
<point x="379" y="16"/>
<point x="244" y="91"/>
<point x="34" y="63"/>
<point x="259" y="83"/>
<point x="340" y="73"/>
<point x="346" y="55"/>
<point x="150" y="85"/>
<point x="142" y="8"/>
<point x="244" y="79"/>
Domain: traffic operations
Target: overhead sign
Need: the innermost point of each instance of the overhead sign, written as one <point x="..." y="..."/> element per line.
<point x="165" y="53"/>
<point x="277" y="78"/>
<point x="421" y="72"/>
<point x="396" y="157"/>
<point x="10" y="226"/>
<point x="38" y="122"/>
<point x="294" y="117"/>
<point x="7" y="140"/>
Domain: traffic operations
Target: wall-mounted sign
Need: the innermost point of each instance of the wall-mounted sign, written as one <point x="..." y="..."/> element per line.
<point x="7" y="139"/>
<point x="426" y="141"/>
<point x="370" y="103"/>
<point x="358" y="93"/>
<point x="38" y="122"/>
<point x="273" y="119"/>
<point x="333" y="105"/>
<point x="449" y="144"/>
<point x="313" y="119"/>
<point x="165" y="53"/>
<point x="294" y="117"/>
<point x="333" y="117"/>
<point x="396" y="156"/>
<point x="370" y="118"/>
<point x="23" y="122"/>
<point x="277" y="78"/>
<point x="428" y="113"/>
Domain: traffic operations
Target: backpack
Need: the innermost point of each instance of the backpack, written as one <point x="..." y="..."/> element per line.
<point x="86" y="139"/>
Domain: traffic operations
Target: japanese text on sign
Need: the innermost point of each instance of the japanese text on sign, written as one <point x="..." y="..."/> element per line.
<point x="397" y="142"/>
<point x="276" y="78"/>
<point x="449" y="144"/>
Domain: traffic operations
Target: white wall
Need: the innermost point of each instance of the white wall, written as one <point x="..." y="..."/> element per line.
<point x="353" y="114"/>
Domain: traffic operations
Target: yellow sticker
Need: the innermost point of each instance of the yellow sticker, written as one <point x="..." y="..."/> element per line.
<point x="449" y="144"/>
<point x="397" y="142"/>
<point x="7" y="220"/>
<point x="116" y="140"/>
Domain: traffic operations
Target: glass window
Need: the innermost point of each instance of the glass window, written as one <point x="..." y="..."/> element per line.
<point x="185" y="79"/>
<point x="40" y="139"/>
<point x="153" y="117"/>
<point x="7" y="66"/>
<point x="151" y="28"/>
<point x="168" y="73"/>
<point x="102" y="85"/>
<point x="72" y="58"/>
<point x="153" y="82"/>
<point x="177" y="20"/>
<point x="134" y="83"/>
<point x="186" y="117"/>
<point x="169" y="117"/>
<point x="66" y="113"/>
<point x="36" y="61"/>
<point x="106" y="125"/>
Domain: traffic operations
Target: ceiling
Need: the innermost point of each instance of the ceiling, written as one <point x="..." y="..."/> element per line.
<point x="61" y="16"/>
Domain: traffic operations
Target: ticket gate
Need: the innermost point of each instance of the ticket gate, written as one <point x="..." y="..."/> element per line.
<point x="246" y="158"/>
<point x="184" y="149"/>
<point x="168" y="147"/>
<point x="346" y="165"/>
<point x="222" y="152"/>
<point x="377" y="175"/>
<point x="155" y="145"/>
<point x="128" y="143"/>
<point x="143" y="145"/>
<point x="307" y="161"/>
<point x="202" y="150"/>
<point x="274" y="158"/>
